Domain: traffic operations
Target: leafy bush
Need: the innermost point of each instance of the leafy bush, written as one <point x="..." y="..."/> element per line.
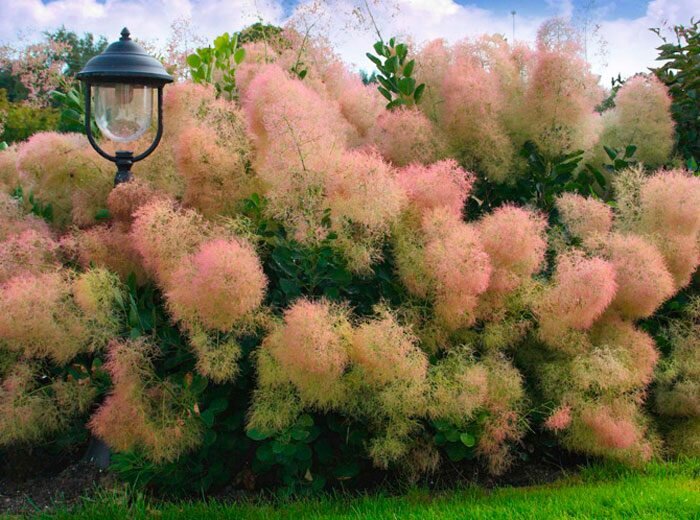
<point x="21" y="121"/>
<point x="679" y="73"/>
<point x="292" y="293"/>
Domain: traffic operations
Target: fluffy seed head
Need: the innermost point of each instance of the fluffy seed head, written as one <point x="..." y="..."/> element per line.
<point x="584" y="216"/>
<point x="514" y="239"/>
<point x="406" y="137"/>
<point x="643" y="280"/>
<point x="443" y="184"/>
<point x="583" y="289"/>
<point x="217" y="286"/>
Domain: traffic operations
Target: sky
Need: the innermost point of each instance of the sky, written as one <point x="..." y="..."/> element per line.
<point x="621" y="44"/>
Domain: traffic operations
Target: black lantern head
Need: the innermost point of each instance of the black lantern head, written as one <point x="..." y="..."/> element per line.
<point x="123" y="79"/>
<point x="124" y="61"/>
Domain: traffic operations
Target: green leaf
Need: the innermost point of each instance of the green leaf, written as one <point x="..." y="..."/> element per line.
<point x="209" y="437"/>
<point x="239" y="56"/>
<point x="456" y="451"/>
<point x="439" y="439"/>
<point x="406" y="86"/>
<point x="452" y="435"/>
<point x="629" y="151"/>
<point x="418" y="94"/>
<point x="218" y="405"/>
<point x="299" y="434"/>
<point x="384" y="92"/>
<point x="611" y="153"/>
<point x="379" y="48"/>
<point x="467" y="439"/>
<point x="408" y="68"/>
<point x="199" y="384"/>
<point x="264" y="453"/>
<point x="401" y="50"/>
<point x="303" y="452"/>
<point x="207" y="418"/>
<point x="194" y="61"/>
<point x="392" y="64"/>
<point x="305" y="421"/>
<point x="102" y="214"/>
<point x="257" y="435"/>
<point x="290" y="287"/>
<point x="374" y="59"/>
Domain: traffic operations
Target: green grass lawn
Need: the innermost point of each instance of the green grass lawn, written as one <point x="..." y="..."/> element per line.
<point x="669" y="490"/>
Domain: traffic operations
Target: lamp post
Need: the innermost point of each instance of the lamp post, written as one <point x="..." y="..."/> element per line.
<point x="123" y="78"/>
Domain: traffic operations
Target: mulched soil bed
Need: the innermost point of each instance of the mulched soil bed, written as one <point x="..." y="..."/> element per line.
<point x="37" y="483"/>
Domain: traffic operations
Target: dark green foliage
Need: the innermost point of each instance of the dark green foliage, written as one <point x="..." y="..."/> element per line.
<point x="395" y="79"/>
<point x="259" y="31"/>
<point x="539" y="185"/>
<point x="458" y="443"/>
<point x="24" y="120"/>
<point x="11" y="84"/>
<point x="80" y="48"/>
<point x="312" y="452"/>
<point x="609" y="102"/>
<point x="294" y="269"/>
<point x="680" y="72"/>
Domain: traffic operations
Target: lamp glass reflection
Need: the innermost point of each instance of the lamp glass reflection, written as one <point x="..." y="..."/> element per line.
<point x="123" y="112"/>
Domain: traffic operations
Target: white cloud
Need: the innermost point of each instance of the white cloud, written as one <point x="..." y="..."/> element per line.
<point x="630" y="43"/>
<point x="147" y="19"/>
<point x="631" y="46"/>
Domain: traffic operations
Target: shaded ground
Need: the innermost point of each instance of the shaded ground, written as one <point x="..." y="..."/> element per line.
<point x="20" y="492"/>
<point x="39" y="493"/>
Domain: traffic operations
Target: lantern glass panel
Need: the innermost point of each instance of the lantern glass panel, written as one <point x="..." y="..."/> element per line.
<point x="123" y="112"/>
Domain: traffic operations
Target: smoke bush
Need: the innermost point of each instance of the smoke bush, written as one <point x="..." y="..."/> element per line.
<point x="470" y="118"/>
<point x="615" y="430"/>
<point x="107" y="247"/>
<point x="14" y="220"/>
<point x="677" y="396"/>
<point x="163" y="234"/>
<point x="443" y="184"/>
<point x="41" y="319"/>
<point x="514" y="240"/>
<point x="9" y="177"/>
<point x="63" y="170"/>
<point x="31" y="413"/>
<point x="365" y="200"/>
<point x="583" y="289"/>
<point x="641" y="117"/>
<point x="143" y="412"/>
<point x="584" y="217"/>
<point x="127" y="197"/>
<point x="29" y="252"/>
<point x="406" y="136"/>
<point x="217" y="286"/>
<point x="559" y="98"/>
<point x="459" y="267"/>
<point x="311" y="349"/>
<point x="643" y="280"/>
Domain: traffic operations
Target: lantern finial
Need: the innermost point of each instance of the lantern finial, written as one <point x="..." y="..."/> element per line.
<point x="126" y="35"/>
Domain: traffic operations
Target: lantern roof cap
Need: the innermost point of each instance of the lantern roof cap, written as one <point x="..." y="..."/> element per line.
<point x="124" y="61"/>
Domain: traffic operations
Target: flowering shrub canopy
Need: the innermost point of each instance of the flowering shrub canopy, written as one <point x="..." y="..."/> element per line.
<point x="299" y="263"/>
